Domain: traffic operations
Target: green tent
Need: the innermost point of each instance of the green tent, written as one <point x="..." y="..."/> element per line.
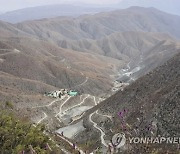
<point x="73" y="93"/>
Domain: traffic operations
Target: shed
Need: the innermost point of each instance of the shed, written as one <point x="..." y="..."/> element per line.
<point x="73" y="93"/>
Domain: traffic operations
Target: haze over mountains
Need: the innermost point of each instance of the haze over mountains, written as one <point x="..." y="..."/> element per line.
<point x="20" y="11"/>
<point x="170" y="6"/>
<point x="92" y="54"/>
<point x="49" y="11"/>
<point x="103" y="24"/>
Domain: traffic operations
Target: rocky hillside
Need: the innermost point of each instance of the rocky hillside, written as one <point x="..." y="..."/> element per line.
<point x="150" y="107"/>
<point x="122" y="44"/>
<point x="34" y="66"/>
<point x="95" y="55"/>
<point x="150" y="93"/>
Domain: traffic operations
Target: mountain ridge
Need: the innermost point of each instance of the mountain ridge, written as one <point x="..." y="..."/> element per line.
<point x="103" y="24"/>
<point x="40" y="12"/>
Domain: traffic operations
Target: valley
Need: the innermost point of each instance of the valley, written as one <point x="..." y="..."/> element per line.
<point x="90" y="78"/>
<point x="69" y="118"/>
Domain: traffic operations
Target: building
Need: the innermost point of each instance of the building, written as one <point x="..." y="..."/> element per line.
<point x="73" y="93"/>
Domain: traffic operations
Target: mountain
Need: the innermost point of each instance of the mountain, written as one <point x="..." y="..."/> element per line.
<point x="132" y="34"/>
<point x="49" y="11"/>
<point x="95" y="55"/>
<point x="77" y="9"/>
<point x="42" y="55"/>
<point x="8" y="30"/>
<point x="29" y="67"/>
<point x="118" y="44"/>
<point x="151" y="101"/>
<point x="37" y="66"/>
<point x="103" y="24"/>
<point x="167" y="6"/>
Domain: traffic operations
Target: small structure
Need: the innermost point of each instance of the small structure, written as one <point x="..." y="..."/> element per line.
<point x="73" y="93"/>
<point x="57" y="93"/>
<point x="61" y="93"/>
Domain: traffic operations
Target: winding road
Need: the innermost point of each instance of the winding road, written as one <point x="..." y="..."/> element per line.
<point x="60" y="109"/>
<point x="95" y="125"/>
<point x="126" y="72"/>
<point x="107" y="116"/>
<point x="10" y="51"/>
<point x="98" y="128"/>
<point x="45" y="116"/>
<point x="77" y="104"/>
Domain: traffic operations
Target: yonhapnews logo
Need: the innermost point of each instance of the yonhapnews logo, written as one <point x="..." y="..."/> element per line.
<point x="119" y="140"/>
<point x="154" y="140"/>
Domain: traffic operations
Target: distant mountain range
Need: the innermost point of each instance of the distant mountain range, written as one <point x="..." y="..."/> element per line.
<point x="49" y="11"/>
<point x="74" y="10"/>
<point x="103" y="24"/>
<point x="170" y="6"/>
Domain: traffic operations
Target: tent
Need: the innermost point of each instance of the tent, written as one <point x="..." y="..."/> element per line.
<point x="73" y="93"/>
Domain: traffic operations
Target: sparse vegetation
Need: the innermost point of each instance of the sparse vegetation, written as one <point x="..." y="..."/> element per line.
<point x="95" y="55"/>
<point x="9" y="105"/>
<point x="17" y="136"/>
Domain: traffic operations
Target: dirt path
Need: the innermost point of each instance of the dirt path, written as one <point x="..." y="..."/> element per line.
<point x="11" y="51"/>
<point x="95" y="125"/>
<point x="60" y="109"/>
<point x="45" y="116"/>
<point x="77" y="104"/>
<point x="98" y="128"/>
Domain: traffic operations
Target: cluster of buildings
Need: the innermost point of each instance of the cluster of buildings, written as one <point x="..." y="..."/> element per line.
<point x="62" y="92"/>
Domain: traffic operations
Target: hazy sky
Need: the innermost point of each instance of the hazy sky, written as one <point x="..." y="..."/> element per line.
<point x="6" y="5"/>
<point x="172" y="6"/>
